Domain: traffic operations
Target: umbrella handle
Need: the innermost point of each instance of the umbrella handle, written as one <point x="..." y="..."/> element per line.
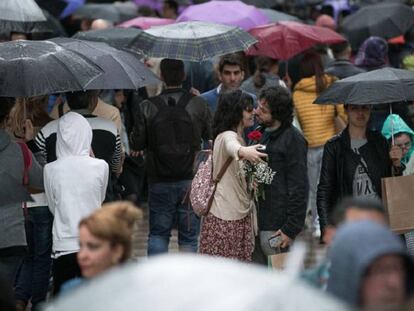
<point x="392" y="127"/>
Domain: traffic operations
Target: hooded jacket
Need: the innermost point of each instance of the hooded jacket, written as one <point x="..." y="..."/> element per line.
<point x="12" y="233"/>
<point x="317" y="121"/>
<point x="355" y="247"/>
<point x="75" y="183"/>
<point x="395" y="124"/>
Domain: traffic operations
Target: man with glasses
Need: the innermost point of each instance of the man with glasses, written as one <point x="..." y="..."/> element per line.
<point x="354" y="162"/>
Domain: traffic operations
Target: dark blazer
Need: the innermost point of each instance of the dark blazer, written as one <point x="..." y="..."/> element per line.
<point x="284" y="206"/>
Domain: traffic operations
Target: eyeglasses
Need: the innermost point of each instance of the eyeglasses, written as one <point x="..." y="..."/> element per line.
<point x="406" y="145"/>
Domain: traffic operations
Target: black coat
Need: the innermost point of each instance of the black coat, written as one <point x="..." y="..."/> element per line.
<point x="339" y="163"/>
<point x="285" y="201"/>
<point x="342" y="68"/>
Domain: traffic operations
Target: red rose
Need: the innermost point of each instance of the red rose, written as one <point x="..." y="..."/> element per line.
<point x="255" y="136"/>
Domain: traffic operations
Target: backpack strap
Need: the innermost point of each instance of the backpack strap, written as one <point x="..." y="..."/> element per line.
<point x="157" y="101"/>
<point x="185" y="99"/>
<point x="27" y="159"/>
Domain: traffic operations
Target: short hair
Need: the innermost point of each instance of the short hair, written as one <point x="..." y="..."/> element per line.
<point x="114" y="222"/>
<point x="172" y="71"/>
<point x="172" y="4"/>
<point x="339" y="48"/>
<point x="6" y="104"/>
<point x="80" y="99"/>
<point x="230" y="109"/>
<point x="233" y="59"/>
<point x="279" y="101"/>
<point x="338" y="215"/>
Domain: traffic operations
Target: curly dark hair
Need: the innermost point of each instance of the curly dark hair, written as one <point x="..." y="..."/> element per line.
<point x="230" y="109"/>
<point x="280" y="103"/>
<point x="6" y="104"/>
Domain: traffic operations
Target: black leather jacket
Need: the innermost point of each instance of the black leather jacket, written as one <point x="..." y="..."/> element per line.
<point x="339" y="163"/>
<point x="285" y="201"/>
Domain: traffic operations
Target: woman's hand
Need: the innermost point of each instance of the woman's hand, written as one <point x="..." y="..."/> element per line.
<point x="396" y="155"/>
<point x="251" y="154"/>
<point x="29" y="132"/>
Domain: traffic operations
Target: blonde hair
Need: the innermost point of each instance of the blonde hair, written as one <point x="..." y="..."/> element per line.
<point x="114" y="222"/>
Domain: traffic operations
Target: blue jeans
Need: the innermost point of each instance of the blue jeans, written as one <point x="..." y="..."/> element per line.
<point x="166" y="208"/>
<point x="33" y="279"/>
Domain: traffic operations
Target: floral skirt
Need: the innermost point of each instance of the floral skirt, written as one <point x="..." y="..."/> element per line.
<point x="227" y="238"/>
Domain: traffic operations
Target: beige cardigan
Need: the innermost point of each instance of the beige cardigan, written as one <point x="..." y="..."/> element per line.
<point x="231" y="200"/>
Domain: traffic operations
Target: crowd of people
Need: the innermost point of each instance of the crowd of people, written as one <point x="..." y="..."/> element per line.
<point x="89" y="158"/>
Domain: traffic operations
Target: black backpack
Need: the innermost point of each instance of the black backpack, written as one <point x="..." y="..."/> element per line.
<point x="171" y="138"/>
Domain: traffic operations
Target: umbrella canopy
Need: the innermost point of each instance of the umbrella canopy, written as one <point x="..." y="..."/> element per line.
<point x="284" y="40"/>
<point x="233" y="13"/>
<point x="23" y="16"/>
<point x="72" y="6"/>
<point x="385" y="20"/>
<point x="12" y="191"/>
<point x="256" y="3"/>
<point x="105" y="11"/>
<point x="122" y="70"/>
<point x="31" y="68"/>
<point x="192" y="41"/>
<point x="382" y="86"/>
<point x="277" y="16"/>
<point x="54" y="7"/>
<point x="147" y="22"/>
<point x="208" y="283"/>
<point x="116" y="37"/>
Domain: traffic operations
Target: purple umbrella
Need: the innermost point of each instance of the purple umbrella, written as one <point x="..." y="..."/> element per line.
<point x="72" y="6"/>
<point x="233" y="13"/>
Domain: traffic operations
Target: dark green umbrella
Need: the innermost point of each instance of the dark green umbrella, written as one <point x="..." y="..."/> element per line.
<point x="382" y="86"/>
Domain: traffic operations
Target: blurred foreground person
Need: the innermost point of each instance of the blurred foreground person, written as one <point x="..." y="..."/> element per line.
<point x="75" y="186"/>
<point x="370" y="267"/>
<point x="105" y="240"/>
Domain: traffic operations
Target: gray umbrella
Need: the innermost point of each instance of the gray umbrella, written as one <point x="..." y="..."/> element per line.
<point x="117" y="37"/>
<point x="382" y="86"/>
<point x="31" y="68"/>
<point x="12" y="191"/>
<point x="23" y="16"/>
<point x="277" y="16"/>
<point x="123" y="70"/>
<point x="192" y="41"/>
<point x="106" y="11"/>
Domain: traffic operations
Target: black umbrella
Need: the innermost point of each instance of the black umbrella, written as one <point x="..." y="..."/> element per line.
<point x="23" y="16"/>
<point x="117" y="37"/>
<point x="123" y="70"/>
<point x="109" y="12"/>
<point x="12" y="191"/>
<point x="385" y="20"/>
<point x="54" y="7"/>
<point x="31" y="68"/>
<point x="382" y="86"/>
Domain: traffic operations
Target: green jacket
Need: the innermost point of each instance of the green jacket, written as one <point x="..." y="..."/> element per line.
<point x="395" y="124"/>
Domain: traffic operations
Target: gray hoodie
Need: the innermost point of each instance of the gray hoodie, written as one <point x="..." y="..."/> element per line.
<point x="12" y="231"/>
<point x="355" y="247"/>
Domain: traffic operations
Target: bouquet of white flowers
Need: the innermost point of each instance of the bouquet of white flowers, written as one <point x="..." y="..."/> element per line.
<point x="257" y="175"/>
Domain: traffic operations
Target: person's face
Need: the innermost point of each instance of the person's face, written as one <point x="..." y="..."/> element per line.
<point x="248" y="118"/>
<point x="96" y="255"/>
<point x="404" y="142"/>
<point x="168" y="12"/>
<point x="263" y="113"/>
<point x="384" y="283"/>
<point x="18" y="36"/>
<point x="358" y="115"/>
<point x="232" y="76"/>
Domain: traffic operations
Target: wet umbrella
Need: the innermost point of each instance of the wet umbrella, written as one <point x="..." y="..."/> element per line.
<point x="105" y="11"/>
<point x="284" y="40"/>
<point x="233" y="13"/>
<point x="23" y="16"/>
<point x="12" y="191"/>
<point x="256" y="3"/>
<point x="387" y="20"/>
<point x="123" y="70"/>
<point x="382" y="86"/>
<point x="31" y="68"/>
<point x="54" y="7"/>
<point x="277" y="16"/>
<point x="209" y="284"/>
<point x="192" y="41"/>
<point x="117" y="37"/>
<point x="72" y="6"/>
<point x="147" y="22"/>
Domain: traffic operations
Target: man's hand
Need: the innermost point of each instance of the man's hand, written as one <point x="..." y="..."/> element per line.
<point x="286" y="241"/>
<point x="136" y="153"/>
<point x="396" y="155"/>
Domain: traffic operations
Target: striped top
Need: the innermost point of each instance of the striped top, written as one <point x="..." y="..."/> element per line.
<point x="317" y="121"/>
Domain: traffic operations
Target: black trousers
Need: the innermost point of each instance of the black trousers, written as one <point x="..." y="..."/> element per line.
<point x="65" y="268"/>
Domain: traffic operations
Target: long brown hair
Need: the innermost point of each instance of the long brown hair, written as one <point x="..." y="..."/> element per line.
<point x="311" y="65"/>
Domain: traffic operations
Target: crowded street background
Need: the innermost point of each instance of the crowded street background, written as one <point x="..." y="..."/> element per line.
<point x="206" y="155"/>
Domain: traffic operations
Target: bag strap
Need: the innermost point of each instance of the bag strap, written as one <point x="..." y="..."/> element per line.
<point x="27" y="162"/>
<point x="185" y="99"/>
<point x="223" y="170"/>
